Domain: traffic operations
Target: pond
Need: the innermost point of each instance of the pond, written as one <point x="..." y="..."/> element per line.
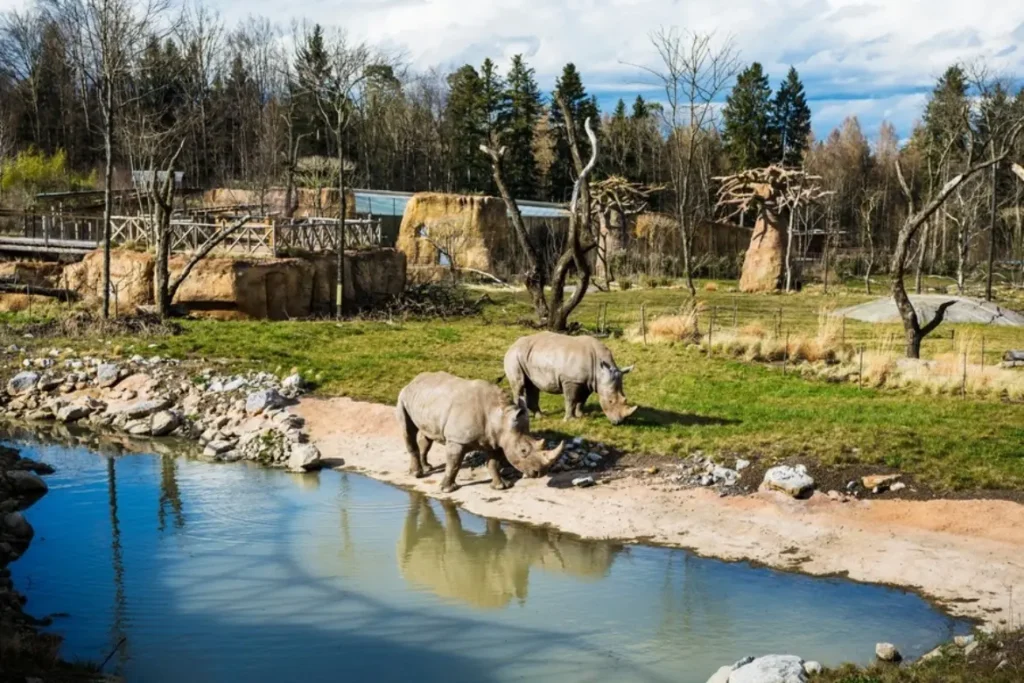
<point x="208" y="572"/>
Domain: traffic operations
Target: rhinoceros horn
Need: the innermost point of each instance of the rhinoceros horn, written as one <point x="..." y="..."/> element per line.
<point x="554" y="454"/>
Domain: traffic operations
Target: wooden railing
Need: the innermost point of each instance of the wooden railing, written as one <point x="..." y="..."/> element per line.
<point x="60" y="233"/>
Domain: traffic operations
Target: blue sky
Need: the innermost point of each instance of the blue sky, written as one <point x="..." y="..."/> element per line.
<point x="876" y="59"/>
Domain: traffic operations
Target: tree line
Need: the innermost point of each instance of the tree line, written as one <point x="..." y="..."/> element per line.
<point x="143" y="84"/>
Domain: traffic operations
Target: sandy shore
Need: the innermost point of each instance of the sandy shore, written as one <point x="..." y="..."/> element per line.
<point x="966" y="555"/>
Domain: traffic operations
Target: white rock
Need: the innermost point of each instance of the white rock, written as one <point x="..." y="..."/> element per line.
<point x="932" y="654"/>
<point x="963" y="641"/>
<point x="721" y="676"/>
<point x="22" y="383"/>
<point x="771" y="669"/>
<point x="790" y="480"/>
<point x="723" y="475"/>
<point x="303" y="457"/>
<point x="293" y="382"/>
<point x="217" y="447"/>
<point x="73" y="413"/>
<point x="812" y="667"/>
<point x="971" y="647"/>
<point x="146" y="408"/>
<point x="898" y="486"/>
<point x="138" y="428"/>
<point x="583" y="482"/>
<point x="163" y="423"/>
<point x="107" y="375"/>
<point x="258" y="401"/>
<point x="887" y="652"/>
<point x="742" y="464"/>
<point x="234" y="384"/>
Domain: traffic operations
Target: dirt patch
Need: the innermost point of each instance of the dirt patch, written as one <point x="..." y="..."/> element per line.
<point x="966" y="554"/>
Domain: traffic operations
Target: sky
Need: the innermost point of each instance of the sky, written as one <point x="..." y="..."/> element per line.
<point x="876" y="60"/>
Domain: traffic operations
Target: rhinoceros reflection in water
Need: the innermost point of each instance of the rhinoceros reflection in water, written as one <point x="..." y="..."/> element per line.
<point x="488" y="569"/>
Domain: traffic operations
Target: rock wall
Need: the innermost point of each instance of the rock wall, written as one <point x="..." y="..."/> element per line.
<point x="473" y="229"/>
<point x="35" y="273"/>
<point x="273" y="200"/>
<point x="131" y="277"/>
<point x="764" y="267"/>
<point x="234" y="289"/>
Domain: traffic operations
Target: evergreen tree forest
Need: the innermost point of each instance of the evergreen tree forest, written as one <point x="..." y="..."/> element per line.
<point x="246" y="105"/>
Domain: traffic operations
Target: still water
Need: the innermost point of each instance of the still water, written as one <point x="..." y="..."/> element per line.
<point x="236" y="573"/>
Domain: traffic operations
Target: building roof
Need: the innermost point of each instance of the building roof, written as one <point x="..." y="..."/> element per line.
<point x="386" y="203"/>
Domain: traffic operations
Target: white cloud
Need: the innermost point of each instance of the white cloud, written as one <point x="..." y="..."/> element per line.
<point x="855" y="56"/>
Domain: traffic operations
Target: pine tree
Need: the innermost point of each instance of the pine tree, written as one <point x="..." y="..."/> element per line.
<point x="313" y="71"/>
<point x="466" y="115"/>
<point x="944" y="115"/>
<point x="747" y="120"/>
<point x="520" y="109"/>
<point x="791" y="120"/>
<point x="641" y="110"/>
<point x="616" y="141"/>
<point x="493" y="90"/>
<point x="570" y="87"/>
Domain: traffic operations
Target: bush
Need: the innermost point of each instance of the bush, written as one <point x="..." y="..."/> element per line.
<point x="625" y="283"/>
<point x="32" y="172"/>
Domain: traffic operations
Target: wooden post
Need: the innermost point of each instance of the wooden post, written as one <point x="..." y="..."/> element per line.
<point x="963" y="379"/>
<point x="785" y="355"/>
<point x="735" y="312"/>
<point x="643" y="322"/>
<point x="778" y="324"/>
<point x="860" y="374"/>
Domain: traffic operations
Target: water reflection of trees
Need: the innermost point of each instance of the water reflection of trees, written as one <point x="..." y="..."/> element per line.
<point x="117" y="631"/>
<point x="491" y="568"/>
<point x="170" y="494"/>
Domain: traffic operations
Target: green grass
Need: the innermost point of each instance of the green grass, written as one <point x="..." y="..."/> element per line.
<point x="689" y="401"/>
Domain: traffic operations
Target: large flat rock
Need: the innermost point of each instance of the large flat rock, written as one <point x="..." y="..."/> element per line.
<point x="965" y="310"/>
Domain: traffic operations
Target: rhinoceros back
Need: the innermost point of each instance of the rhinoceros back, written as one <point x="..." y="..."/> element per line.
<point x="549" y="360"/>
<point x="451" y="409"/>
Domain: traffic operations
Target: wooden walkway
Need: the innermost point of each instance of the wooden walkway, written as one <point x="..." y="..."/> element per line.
<point x="59" y="234"/>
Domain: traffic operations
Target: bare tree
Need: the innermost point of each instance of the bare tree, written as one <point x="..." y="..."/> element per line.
<point x="694" y="71"/>
<point x="867" y="210"/>
<point x="915" y="332"/>
<point x="554" y="313"/>
<point x="104" y="39"/>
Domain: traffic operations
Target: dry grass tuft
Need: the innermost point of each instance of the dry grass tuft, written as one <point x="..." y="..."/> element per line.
<point x="681" y="327"/>
<point x="711" y="287"/>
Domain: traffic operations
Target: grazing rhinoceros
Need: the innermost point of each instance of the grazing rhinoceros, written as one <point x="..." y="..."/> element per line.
<point x="468" y="415"/>
<point x="573" y="366"/>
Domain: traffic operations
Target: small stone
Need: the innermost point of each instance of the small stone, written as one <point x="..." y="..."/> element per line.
<point x="773" y="668"/>
<point x="879" y="481"/>
<point x="138" y="428"/>
<point x="22" y="383"/>
<point x="652" y="470"/>
<point x="577" y="441"/>
<point x="932" y="654"/>
<point x="742" y="464"/>
<point x="887" y="652"/>
<point x="258" y="401"/>
<point x="293" y="383"/>
<point x="234" y="384"/>
<point x="48" y="383"/>
<point x="723" y="475"/>
<point x="583" y="482"/>
<point x="163" y="423"/>
<point x="107" y="375"/>
<point x="73" y="413"/>
<point x="971" y="647"/>
<point x="812" y="667"/>
<point x="707" y="480"/>
<point x="16" y="525"/>
<point x="146" y="408"/>
<point x="793" y="481"/>
<point x="217" y="447"/>
<point x="1003" y="663"/>
<point x="898" y="486"/>
<point x="722" y="675"/>
<point x="834" y="495"/>
<point x="963" y="641"/>
<point x="303" y="457"/>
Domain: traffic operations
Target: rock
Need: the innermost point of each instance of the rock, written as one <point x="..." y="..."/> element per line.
<point x="963" y="641"/>
<point x="812" y="667"/>
<point x="932" y="654"/>
<point x="722" y="675"/>
<point x="770" y="669"/>
<point x="22" y="383"/>
<point x="17" y="526"/>
<point x="163" y="423"/>
<point x="138" y="428"/>
<point x="107" y="375"/>
<point x="73" y="412"/>
<point x="723" y="475"/>
<point x="879" y="481"/>
<point x="293" y="383"/>
<point x="49" y="383"/>
<point x="234" y="384"/>
<point x="742" y="464"/>
<point x="793" y="481"/>
<point x="217" y="447"/>
<point x="303" y="457"/>
<point x="265" y="399"/>
<point x="898" y="486"/>
<point x="763" y="265"/>
<point x="44" y="413"/>
<point x="34" y="466"/>
<point x="887" y="652"/>
<point x="146" y="408"/>
<point x="27" y="482"/>
<point x="971" y="647"/>
<point x="1003" y="663"/>
<point x="707" y="480"/>
<point x="583" y="482"/>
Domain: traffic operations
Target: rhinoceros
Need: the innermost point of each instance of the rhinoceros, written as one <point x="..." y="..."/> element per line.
<point x="575" y="367"/>
<point x="468" y="415"/>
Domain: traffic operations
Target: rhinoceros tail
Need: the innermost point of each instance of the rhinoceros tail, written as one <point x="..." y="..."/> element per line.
<point x="500" y="379"/>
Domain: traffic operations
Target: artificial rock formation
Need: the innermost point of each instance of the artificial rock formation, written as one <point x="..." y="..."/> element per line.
<point x="472" y="231"/>
<point x="764" y="266"/>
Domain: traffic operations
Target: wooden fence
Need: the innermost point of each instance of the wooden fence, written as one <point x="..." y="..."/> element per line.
<point x="66" y="234"/>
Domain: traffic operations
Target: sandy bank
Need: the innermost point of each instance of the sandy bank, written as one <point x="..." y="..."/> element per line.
<point x="967" y="555"/>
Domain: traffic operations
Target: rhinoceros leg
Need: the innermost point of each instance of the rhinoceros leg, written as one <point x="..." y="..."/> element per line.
<point x="412" y="436"/>
<point x="573" y="405"/>
<point x="494" y="467"/>
<point x="532" y="398"/>
<point x="454" y="453"/>
<point x="423" y="445"/>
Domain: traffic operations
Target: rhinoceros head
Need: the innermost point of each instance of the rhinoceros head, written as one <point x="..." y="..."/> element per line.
<point x="609" y="392"/>
<point x="523" y="452"/>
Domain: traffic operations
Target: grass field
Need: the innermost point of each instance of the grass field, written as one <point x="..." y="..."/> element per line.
<point x="688" y="401"/>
